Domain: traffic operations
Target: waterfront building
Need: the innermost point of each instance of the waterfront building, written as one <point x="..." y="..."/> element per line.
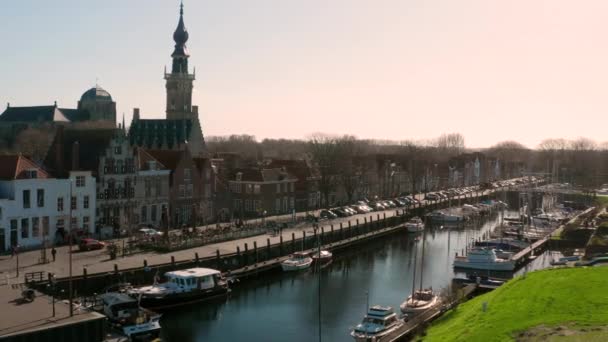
<point x="181" y="126"/>
<point x="151" y="189"/>
<point x="256" y="192"/>
<point x="38" y="209"/>
<point x="186" y="189"/>
<point x="307" y="195"/>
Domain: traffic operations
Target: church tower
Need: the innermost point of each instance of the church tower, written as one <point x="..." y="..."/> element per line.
<point x="179" y="85"/>
<point x="180" y="81"/>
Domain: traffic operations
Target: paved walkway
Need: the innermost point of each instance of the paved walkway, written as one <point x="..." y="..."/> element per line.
<point x="99" y="261"/>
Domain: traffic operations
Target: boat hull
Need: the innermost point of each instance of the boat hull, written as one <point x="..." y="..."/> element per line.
<point x="488" y="266"/>
<point x="170" y="301"/>
<point x="295" y="267"/>
<point x="362" y="337"/>
<point x="407" y="308"/>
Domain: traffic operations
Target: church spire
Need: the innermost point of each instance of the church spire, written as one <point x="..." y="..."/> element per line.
<point x="180" y="54"/>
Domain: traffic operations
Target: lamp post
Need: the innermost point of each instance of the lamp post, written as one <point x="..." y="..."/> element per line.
<point x="71" y="292"/>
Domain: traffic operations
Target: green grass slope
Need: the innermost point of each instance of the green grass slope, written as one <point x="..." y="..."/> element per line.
<point x="549" y="297"/>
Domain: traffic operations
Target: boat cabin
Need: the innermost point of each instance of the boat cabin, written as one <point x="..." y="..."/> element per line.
<point x="380" y="315"/>
<point x="299" y="255"/>
<point x="119" y="306"/>
<point x="197" y="278"/>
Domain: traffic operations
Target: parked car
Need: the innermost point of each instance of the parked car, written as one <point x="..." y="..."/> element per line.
<point x="341" y="213"/>
<point x="327" y="214"/>
<point x="431" y="197"/>
<point x="377" y="206"/>
<point x="150" y="232"/>
<point x="88" y="244"/>
<point x="350" y="210"/>
<point x="359" y="209"/>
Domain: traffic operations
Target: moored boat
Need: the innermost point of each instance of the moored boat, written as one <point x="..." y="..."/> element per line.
<point x="296" y="262"/>
<point x="379" y="321"/>
<point x="483" y="259"/>
<point x="322" y="257"/>
<point x="135" y="322"/>
<point x="182" y="287"/>
<point x="420" y="301"/>
<point x="414" y="225"/>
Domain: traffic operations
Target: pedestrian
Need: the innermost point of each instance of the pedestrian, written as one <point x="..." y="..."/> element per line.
<point x="54" y="253"/>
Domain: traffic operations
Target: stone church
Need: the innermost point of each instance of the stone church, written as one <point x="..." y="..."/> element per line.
<point x="181" y="129"/>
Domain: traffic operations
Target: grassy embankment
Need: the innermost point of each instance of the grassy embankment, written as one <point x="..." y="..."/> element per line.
<point x="569" y="304"/>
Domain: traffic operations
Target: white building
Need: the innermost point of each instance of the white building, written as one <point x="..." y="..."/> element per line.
<point x="35" y="208"/>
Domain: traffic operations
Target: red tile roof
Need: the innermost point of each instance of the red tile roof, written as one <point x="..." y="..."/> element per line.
<point x="14" y="167"/>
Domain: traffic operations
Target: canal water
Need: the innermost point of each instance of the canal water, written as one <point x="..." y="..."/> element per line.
<point x="283" y="306"/>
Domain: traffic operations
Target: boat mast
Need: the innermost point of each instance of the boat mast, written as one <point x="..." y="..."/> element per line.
<point x="415" y="262"/>
<point x="422" y="259"/>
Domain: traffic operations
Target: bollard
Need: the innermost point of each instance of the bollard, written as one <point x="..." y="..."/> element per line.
<point x="84" y="273"/>
<point x="268" y="249"/>
<point x="145" y="263"/>
<point x="196" y="256"/>
<point x="172" y="260"/>
<point x="281" y="245"/>
<point x="218" y="258"/>
<point x="115" y="268"/>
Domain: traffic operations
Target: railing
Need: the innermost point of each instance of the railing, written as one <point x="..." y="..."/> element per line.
<point x="34" y="277"/>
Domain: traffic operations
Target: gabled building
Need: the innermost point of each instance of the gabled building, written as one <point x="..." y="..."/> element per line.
<point x="307" y="195"/>
<point x="37" y="209"/>
<point x="151" y="189"/>
<point x="257" y="192"/>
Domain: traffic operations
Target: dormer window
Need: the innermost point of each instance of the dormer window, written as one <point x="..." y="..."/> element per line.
<point x="152" y="165"/>
<point x="31" y="173"/>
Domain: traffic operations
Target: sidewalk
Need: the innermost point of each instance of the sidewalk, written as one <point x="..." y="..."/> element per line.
<point x="99" y="261"/>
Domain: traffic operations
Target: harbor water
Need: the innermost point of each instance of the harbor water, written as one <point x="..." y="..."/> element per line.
<point x="284" y="306"/>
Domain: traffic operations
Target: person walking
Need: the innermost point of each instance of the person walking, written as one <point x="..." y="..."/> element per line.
<point x="54" y="253"/>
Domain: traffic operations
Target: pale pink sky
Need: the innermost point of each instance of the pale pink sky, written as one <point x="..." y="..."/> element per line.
<point x="385" y="69"/>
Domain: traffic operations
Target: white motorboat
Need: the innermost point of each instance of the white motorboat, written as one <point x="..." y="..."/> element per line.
<point x="419" y="302"/>
<point x="182" y="287"/>
<point x="483" y="259"/>
<point x="124" y="312"/>
<point x="445" y="217"/>
<point x="379" y="321"/>
<point x="323" y="256"/>
<point x="296" y="262"/>
<point x="414" y="225"/>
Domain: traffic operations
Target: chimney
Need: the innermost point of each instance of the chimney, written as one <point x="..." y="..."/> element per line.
<point x="135" y="114"/>
<point x="59" y="167"/>
<point x="55" y="104"/>
<point x="8" y="105"/>
<point x="75" y="154"/>
<point x="195" y="109"/>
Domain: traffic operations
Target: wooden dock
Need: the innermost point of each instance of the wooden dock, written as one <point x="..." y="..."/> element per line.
<point x="523" y="255"/>
<point x="410" y="327"/>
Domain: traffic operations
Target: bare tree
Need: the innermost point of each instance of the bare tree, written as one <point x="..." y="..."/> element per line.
<point x="324" y="152"/>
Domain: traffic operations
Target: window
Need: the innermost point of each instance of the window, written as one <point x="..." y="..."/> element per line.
<point x="189" y="190"/>
<point x="256" y="189"/>
<point x="120" y="166"/>
<point x="291" y="187"/>
<point x="85" y="203"/>
<point x="45" y="226"/>
<point x="187" y="175"/>
<point x="60" y="204"/>
<point x="80" y="181"/>
<point x="235" y="187"/>
<point x="74" y="222"/>
<point x="153" y="213"/>
<point x="277" y="205"/>
<point x="116" y="212"/>
<point x="158" y="186"/>
<point x="247" y="205"/>
<point x="144" y="213"/>
<point x="258" y="205"/>
<point x="278" y="188"/>
<point x="26" y="199"/>
<point x="182" y="191"/>
<point x="40" y="198"/>
<point x="85" y="223"/>
<point x="25" y="228"/>
<point x="118" y="150"/>
<point x="60" y="224"/>
<point x="291" y="202"/>
<point x="237" y="204"/>
<point x="31" y="174"/>
<point x="248" y="188"/>
<point x="73" y="203"/>
<point x="147" y="186"/>
<point x="35" y="227"/>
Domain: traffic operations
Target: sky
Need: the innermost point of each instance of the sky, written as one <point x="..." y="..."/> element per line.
<point x="493" y="70"/>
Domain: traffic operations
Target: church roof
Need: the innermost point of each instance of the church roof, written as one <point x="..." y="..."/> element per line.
<point x="33" y="114"/>
<point x="180" y="36"/>
<point x="96" y="93"/>
<point x="160" y="133"/>
<point x="75" y="114"/>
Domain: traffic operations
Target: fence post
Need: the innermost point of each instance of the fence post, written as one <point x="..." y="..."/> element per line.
<point x="246" y="255"/>
<point x="281" y="245"/>
<point x="218" y="258"/>
<point x="196" y="256"/>
<point x="293" y="242"/>
<point x="255" y="251"/>
<point x="238" y="255"/>
<point x="268" y="256"/>
<point x="303" y="239"/>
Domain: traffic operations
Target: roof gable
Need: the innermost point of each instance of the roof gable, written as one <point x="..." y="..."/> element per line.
<point x="15" y="166"/>
<point x="33" y="114"/>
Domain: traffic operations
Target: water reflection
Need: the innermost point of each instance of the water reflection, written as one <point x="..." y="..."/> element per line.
<point x="283" y="307"/>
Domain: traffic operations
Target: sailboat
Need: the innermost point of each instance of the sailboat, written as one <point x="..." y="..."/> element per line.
<point x="420" y="300"/>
